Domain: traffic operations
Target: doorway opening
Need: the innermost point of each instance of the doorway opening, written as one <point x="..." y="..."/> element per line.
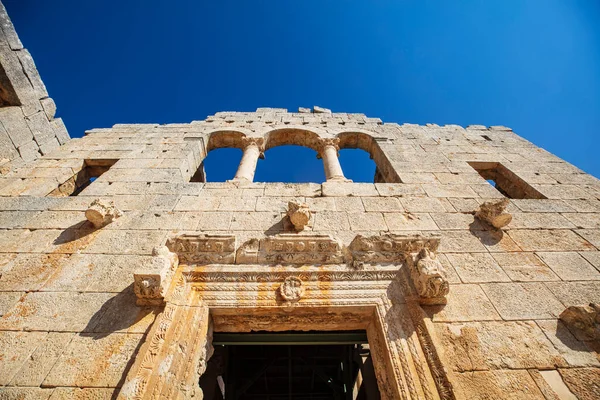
<point x="290" y="365"/>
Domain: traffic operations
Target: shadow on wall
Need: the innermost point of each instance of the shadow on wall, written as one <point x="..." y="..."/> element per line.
<point x="118" y="314"/>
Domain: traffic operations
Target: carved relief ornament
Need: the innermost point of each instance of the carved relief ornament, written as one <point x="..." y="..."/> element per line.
<point x="291" y="289"/>
<point x="204" y="249"/>
<point x="429" y="277"/>
<point x="151" y="283"/>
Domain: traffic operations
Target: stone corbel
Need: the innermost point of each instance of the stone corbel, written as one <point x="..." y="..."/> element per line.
<point x="583" y="321"/>
<point x="101" y="213"/>
<point x="493" y="213"/>
<point x="429" y="278"/>
<point x="299" y="215"/>
<point x="150" y="284"/>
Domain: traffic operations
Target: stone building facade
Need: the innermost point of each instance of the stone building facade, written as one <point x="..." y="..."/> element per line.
<point x="469" y="262"/>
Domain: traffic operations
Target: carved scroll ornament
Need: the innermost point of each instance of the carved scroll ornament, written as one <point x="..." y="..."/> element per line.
<point x="494" y="213"/>
<point x="429" y="277"/>
<point x="583" y="320"/>
<point x="150" y="284"/>
<point x="299" y="215"/>
<point x="102" y="212"/>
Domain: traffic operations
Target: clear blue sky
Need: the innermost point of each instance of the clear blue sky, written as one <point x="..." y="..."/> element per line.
<point x="531" y="65"/>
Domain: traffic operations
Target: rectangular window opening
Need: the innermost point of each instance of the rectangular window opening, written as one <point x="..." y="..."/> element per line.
<point x="290" y="365"/>
<point x="505" y="181"/>
<point x="91" y="170"/>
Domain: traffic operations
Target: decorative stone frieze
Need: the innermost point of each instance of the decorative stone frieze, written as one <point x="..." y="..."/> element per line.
<point x="102" y="212"/>
<point x="151" y="283"/>
<point x="299" y="215"/>
<point x="429" y="277"/>
<point x="204" y="249"/>
<point x="295" y="249"/>
<point x="291" y="289"/>
<point x="493" y="213"/>
<point x="389" y="248"/>
<point x="583" y="320"/>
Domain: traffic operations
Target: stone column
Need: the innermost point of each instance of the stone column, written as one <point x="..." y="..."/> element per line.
<point x="253" y="149"/>
<point x="328" y="151"/>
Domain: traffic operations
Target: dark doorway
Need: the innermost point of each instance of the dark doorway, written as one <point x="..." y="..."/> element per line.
<point x="290" y="366"/>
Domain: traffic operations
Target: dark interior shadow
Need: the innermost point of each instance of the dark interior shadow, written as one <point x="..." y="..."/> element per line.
<point x="117" y="314"/>
<point x="75" y="232"/>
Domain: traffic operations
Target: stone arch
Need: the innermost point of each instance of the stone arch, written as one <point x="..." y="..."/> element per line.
<point x="218" y="139"/>
<point x="294" y="135"/>
<point x="225" y="138"/>
<point x="356" y="139"/>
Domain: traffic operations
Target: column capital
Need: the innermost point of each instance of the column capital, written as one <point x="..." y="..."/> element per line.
<point x="327" y="142"/>
<point x="253" y="141"/>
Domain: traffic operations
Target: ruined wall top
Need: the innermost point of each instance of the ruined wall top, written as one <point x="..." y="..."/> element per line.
<point x="28" y="128"/>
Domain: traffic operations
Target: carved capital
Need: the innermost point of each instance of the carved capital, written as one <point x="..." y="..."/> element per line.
<point x="291" y="289"/>
<point x="299" y="214"/>
<point x="327" y="142"/>
<point x="584" y="321"/>
<point x="102" y="212"/>
<point x="253" y="141"/>
<point x="493" y="213"/>
<point x="429" y="277"/>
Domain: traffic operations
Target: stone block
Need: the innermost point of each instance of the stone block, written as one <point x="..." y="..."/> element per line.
<point x="94" y="362"/>
<point x="74" y="393"/>
<point x="575" y="352"/>
<point x="125" y="242"/>
<point x="370" y="221"/>
<point x="570" y="266"/>
<point x="583" y="382"/>
<point x="576" y="293"/>
<point x="460" y="241"/>
<point x="584" y="220"/>
<point x="39" y="363"/>
<point x="15" y="348"/>
<point x="409" y="222"/>
<point x="465" y="303"/>
<point x="591" y="235"/>
<point x="60" y="131"/>
<point x="54" y="311"/>
<point x="49" y="146"/>
<point x="293" y="189"/>
<point x="13" y="121"/>
<point x="550" y="240"/>
<point x="477" y="267"/>
<point x="382" y="204"/>
<point x="237" y="204"/>
<point x="49" y="107"/>
<point x="423" y="204"/>
<point x="40" y="127"/>
<point x="12" y="393"/>
<point x="247" y="221"/>
<point x="399" y="189"/>
<point x="542" y="205"/>
<point x="498" y="384"/>
<point x="539" y="221"/>
<point x="29" y="151"/>
<point x="7" y="149"/>
<point x="29" y="272"/>
<point x="333" y="189"/>
<point x="524" y="267"/>
<point x="493" y="345"/>
<point x="349" y="204"/>
<point x="323" y="204"/>
<point x="440" y="190"/>
<point x="8" y="300"/>
<point x="519" y="301"/>
<point x="450" y="221"/>
<point x="331" y="221"/>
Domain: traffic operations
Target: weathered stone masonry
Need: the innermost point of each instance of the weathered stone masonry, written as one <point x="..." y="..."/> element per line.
<point x="453" y="306"/>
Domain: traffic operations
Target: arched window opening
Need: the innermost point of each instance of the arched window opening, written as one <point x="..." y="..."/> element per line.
<point x="290" y="164"/>
<point x="219" y="165"/>
<point x="358" y="165"/>
<point x="369" y="163"/>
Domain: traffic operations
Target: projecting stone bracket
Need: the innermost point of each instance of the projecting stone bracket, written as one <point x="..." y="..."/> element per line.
<point x="151" y="283"/>
<point x="101" y="213"/>
<point x="494" y="213"/>
<point x="583" y="320"/>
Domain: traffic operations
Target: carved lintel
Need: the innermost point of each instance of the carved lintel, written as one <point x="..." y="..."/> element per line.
<point x="429" y="278"/>
<point x="203" y="249"/>
<point x="151" y="283"/>
<point x="389" y="248"/>
<point x="584" y="321"/>
<point x="296" y="249"/>
<point x="493" y="213"/>
<point x="299" y="215"/>
<point x="102" y="212"/>
<point x="291" y="290"/>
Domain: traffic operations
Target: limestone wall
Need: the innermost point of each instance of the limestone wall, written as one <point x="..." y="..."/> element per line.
<point x="28" y="128"/>
<point x="69" y="323"/>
